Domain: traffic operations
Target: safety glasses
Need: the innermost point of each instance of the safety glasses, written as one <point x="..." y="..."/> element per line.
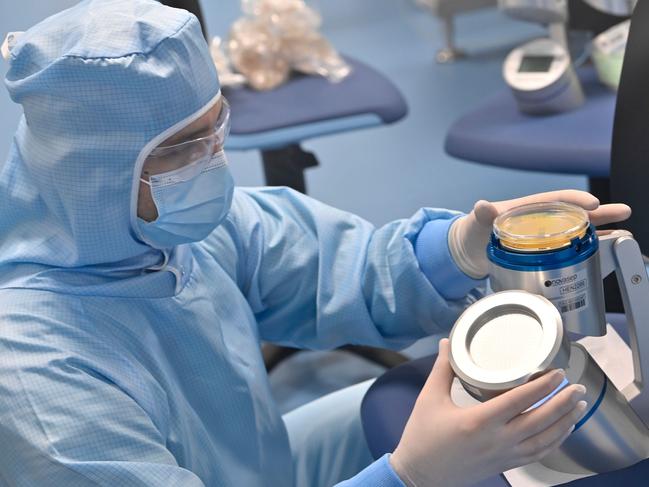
<point x="171" y="157"/>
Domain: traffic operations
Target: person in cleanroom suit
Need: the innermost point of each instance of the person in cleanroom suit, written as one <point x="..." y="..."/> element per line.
<point x="136" y="285"/>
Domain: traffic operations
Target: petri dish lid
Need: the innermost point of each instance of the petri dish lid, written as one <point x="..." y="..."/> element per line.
<point x="541" y="226"/>
<point x="504" y="340"/>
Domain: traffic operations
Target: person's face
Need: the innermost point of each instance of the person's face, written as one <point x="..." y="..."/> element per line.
<point x="201" y="127"/>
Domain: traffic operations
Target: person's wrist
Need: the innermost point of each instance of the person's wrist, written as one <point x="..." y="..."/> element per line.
<point x="400" y="470"/>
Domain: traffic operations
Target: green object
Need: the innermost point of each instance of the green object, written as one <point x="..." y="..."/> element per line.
<point x="609" y="67"/>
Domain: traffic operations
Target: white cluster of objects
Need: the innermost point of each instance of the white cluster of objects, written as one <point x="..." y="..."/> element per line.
<point x="271" y="40"/>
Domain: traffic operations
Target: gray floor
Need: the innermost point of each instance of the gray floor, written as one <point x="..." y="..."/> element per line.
<point x="385" y="173"/>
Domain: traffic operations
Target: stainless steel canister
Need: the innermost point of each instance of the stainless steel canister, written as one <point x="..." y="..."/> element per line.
<point x="576" y="290"/>
<point x="504" y="340"/>
<point x="551" y="249"/>
<point x="610" y="436"/>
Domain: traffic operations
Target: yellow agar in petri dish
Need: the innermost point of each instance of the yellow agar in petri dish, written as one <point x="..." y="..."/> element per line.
<point x="541" y="226"/>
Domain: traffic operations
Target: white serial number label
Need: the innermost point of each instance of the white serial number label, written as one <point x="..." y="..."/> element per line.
<point x="572" y="304"/>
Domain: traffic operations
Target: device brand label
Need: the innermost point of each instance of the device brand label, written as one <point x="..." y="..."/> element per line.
<point x="560" y="281"/>
<point x="568" y="293"/>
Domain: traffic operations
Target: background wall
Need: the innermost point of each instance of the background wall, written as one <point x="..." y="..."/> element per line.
<point x="383" y="173"/>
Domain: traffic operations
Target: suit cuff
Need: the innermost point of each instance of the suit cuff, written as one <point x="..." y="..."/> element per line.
<point x="378" y="474"/>
<point x="437" y="263"/>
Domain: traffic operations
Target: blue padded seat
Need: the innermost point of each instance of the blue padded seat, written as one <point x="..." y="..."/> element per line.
<point x="388" y="403"/>
<point x="578" y="142"/>
<point x="311" y="106"/>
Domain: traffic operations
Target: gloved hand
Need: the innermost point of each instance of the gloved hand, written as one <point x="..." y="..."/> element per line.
<point x="469" y="235"/>
<point x="445" y="445"/>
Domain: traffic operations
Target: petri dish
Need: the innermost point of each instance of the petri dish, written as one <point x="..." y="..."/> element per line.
<point x="541" y="227"/>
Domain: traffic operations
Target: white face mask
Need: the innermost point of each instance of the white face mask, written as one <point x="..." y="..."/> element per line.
<point x="191" y="201"/>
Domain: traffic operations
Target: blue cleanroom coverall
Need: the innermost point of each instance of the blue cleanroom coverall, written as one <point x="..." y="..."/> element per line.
<point x="122" y="364"/>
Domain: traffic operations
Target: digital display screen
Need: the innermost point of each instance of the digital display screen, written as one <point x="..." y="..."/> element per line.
<point x="535" y="64"/>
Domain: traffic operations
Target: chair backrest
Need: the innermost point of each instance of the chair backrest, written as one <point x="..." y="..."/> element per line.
<point x="630" y="148"/>
<point x="192" y="6"/>
<point x="584" y="17"/>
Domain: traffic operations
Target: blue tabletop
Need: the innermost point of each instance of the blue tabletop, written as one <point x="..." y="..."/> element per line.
<point x="389" y="402"/>
<point x="578" y="142"/>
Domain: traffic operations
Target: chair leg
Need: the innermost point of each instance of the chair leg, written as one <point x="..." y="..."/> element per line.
<point x="449" y="52"/>
<point x="285" y="166"/>
<point x="379" y="356"/>
<point x="274" y="354"/>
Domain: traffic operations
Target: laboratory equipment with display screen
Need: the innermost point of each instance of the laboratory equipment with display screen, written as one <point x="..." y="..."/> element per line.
<point x="542" y="86"/>
<point x="540" y="72"/>
<point x="542" y="78"/>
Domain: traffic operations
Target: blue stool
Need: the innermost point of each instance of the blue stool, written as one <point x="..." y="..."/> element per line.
<point x="389" y="401"/>
<point x="496" y="133"/>
<point x="276" y="122"/>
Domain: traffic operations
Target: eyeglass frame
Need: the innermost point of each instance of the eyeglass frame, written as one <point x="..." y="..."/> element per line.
<point x="219" y="135"/>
